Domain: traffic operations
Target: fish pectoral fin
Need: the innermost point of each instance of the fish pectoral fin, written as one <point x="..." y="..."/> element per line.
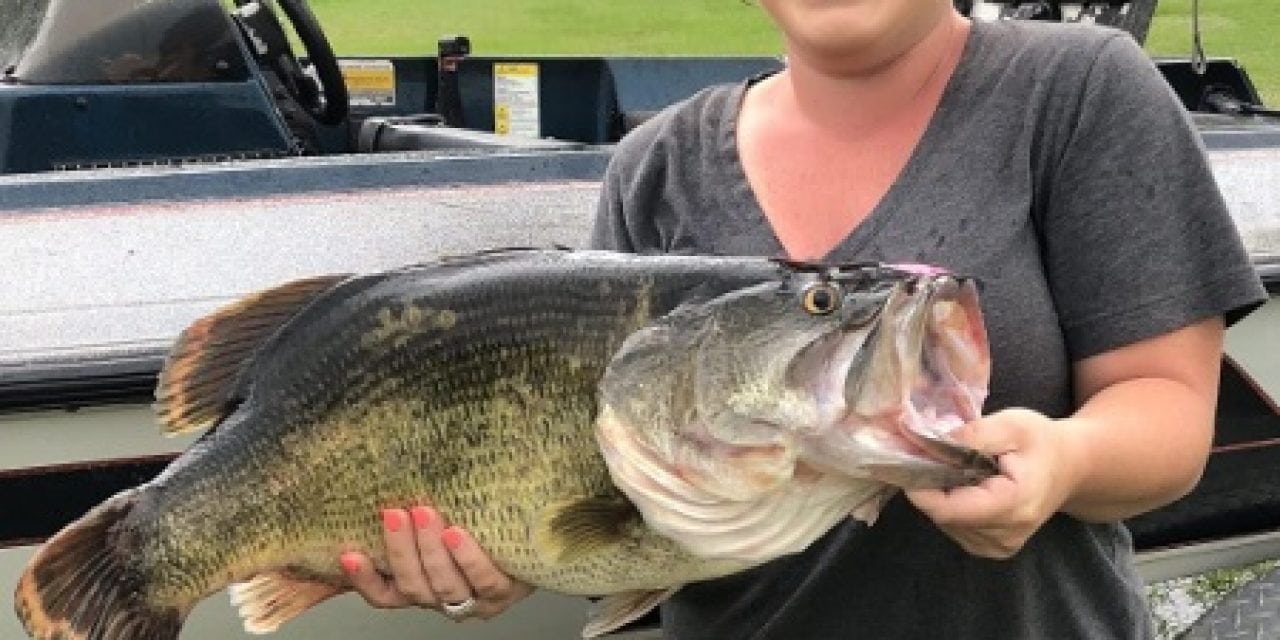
<point x="618" y="610"/>
<point x="269" y="600"/>
<point x="869" y="509"/>
<point x="566" y="531"/>
<point x="200" y="372"/>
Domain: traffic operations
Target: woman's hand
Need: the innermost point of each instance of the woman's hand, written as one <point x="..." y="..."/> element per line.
<point x="1040" y="465"/>
<point x="433" y="565"/>
<point x="1139" y="441"/>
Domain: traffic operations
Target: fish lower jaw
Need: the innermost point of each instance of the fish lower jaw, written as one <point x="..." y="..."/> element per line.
<point x="883" y="454"/>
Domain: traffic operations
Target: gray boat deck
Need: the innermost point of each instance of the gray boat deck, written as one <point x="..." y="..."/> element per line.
<point x="125" y="271"/>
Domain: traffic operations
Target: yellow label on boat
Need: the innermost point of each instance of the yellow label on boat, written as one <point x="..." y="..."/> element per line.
<point x="516" y="110"/>
<point x="371" y="83"/>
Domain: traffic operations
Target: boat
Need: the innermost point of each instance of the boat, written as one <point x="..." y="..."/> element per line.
<point x="199" y="158"/>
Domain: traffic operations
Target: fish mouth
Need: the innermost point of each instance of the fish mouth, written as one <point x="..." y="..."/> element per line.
<point x="892" y="396"/>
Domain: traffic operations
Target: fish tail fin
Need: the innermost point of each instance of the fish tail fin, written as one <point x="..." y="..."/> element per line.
<point x="84" y="584"/>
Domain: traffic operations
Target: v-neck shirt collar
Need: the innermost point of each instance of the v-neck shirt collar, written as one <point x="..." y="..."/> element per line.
<point x="922" y="154"/>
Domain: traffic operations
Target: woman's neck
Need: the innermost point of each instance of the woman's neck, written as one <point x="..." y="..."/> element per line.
<point x="856" y="96"/>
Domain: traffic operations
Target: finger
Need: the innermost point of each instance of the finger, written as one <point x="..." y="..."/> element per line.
<point x="979" y="548"/>
<point x="492" y="586"/>
<point x="402" y="556"/>
<point x="987" y="502"/>
<point x="369" y="583"/>
<point x="995" y="544"/>
<point x="447" y="582"/>
<point x="965" y="505"/>
<point x="996" y="434"/>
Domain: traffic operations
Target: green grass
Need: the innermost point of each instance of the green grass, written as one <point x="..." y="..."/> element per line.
<point x="1235" y="28"/>
<point x="548" y="26"/>
<point x="1241" y="29"/>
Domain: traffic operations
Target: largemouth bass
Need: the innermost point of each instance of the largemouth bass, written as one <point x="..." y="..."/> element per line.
<point x="603" y="424"/>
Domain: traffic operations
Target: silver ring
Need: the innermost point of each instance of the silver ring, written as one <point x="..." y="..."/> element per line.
<point x="459" y="609"/>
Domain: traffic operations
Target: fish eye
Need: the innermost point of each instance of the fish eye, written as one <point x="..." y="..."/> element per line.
<point x="821" y="298"/>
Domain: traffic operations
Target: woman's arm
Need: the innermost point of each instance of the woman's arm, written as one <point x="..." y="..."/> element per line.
<point x="1139" y="441"/>
<point x="1146" y="421"/>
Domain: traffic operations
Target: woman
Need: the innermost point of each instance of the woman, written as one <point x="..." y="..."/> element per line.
<point x="1052" y="162"/>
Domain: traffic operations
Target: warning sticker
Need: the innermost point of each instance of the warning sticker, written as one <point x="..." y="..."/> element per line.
<point x="515" y="99"/>
<point x="371" y="83"/>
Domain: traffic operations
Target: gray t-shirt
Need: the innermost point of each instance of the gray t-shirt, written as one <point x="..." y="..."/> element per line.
<point x="1060" y="170"/>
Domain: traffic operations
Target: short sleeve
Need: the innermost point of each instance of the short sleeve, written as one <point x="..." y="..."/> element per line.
<point x="631" y="191"/>
<point x="657" y="181"/>
<point x="609" y="229"/>
<point x="1137" y="239"/>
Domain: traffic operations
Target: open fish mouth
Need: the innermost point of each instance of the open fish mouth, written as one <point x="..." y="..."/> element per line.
<point x="951" y="384"/>
<point x="892" y="396"/>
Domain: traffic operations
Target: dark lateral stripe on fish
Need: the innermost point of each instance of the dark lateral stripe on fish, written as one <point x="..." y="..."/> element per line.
<point x="41" y="500"/>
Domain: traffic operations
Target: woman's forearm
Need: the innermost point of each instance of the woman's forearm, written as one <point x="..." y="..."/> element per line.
<point x="1143" y="444"/>
<point x="1145" y="426"/>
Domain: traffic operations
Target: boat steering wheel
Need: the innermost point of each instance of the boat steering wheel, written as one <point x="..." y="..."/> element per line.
<point x="327" y="104"/>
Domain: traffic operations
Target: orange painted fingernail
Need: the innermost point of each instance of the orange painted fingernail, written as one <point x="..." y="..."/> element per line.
<point x="452" y="538"/>
<point x="391" y="520"/>
<point x="421" y="517"/>
<point x="350" y="562"/>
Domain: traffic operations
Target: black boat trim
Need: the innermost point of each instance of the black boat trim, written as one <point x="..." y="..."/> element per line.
<point x="1268" y="268"/>
<point x="72" y="383"/>
<point x="41" y="500"/>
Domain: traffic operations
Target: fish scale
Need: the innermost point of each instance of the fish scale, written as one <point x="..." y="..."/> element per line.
<point x="475" y="385"/>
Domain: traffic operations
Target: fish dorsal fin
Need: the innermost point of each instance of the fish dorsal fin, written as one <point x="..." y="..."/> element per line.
<point x="618" y="610"/>
<point x="569" y="530"/>
<point x="495" y="255"/>
<point x="201" y="370"/>
<point x="269" y="600"/>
